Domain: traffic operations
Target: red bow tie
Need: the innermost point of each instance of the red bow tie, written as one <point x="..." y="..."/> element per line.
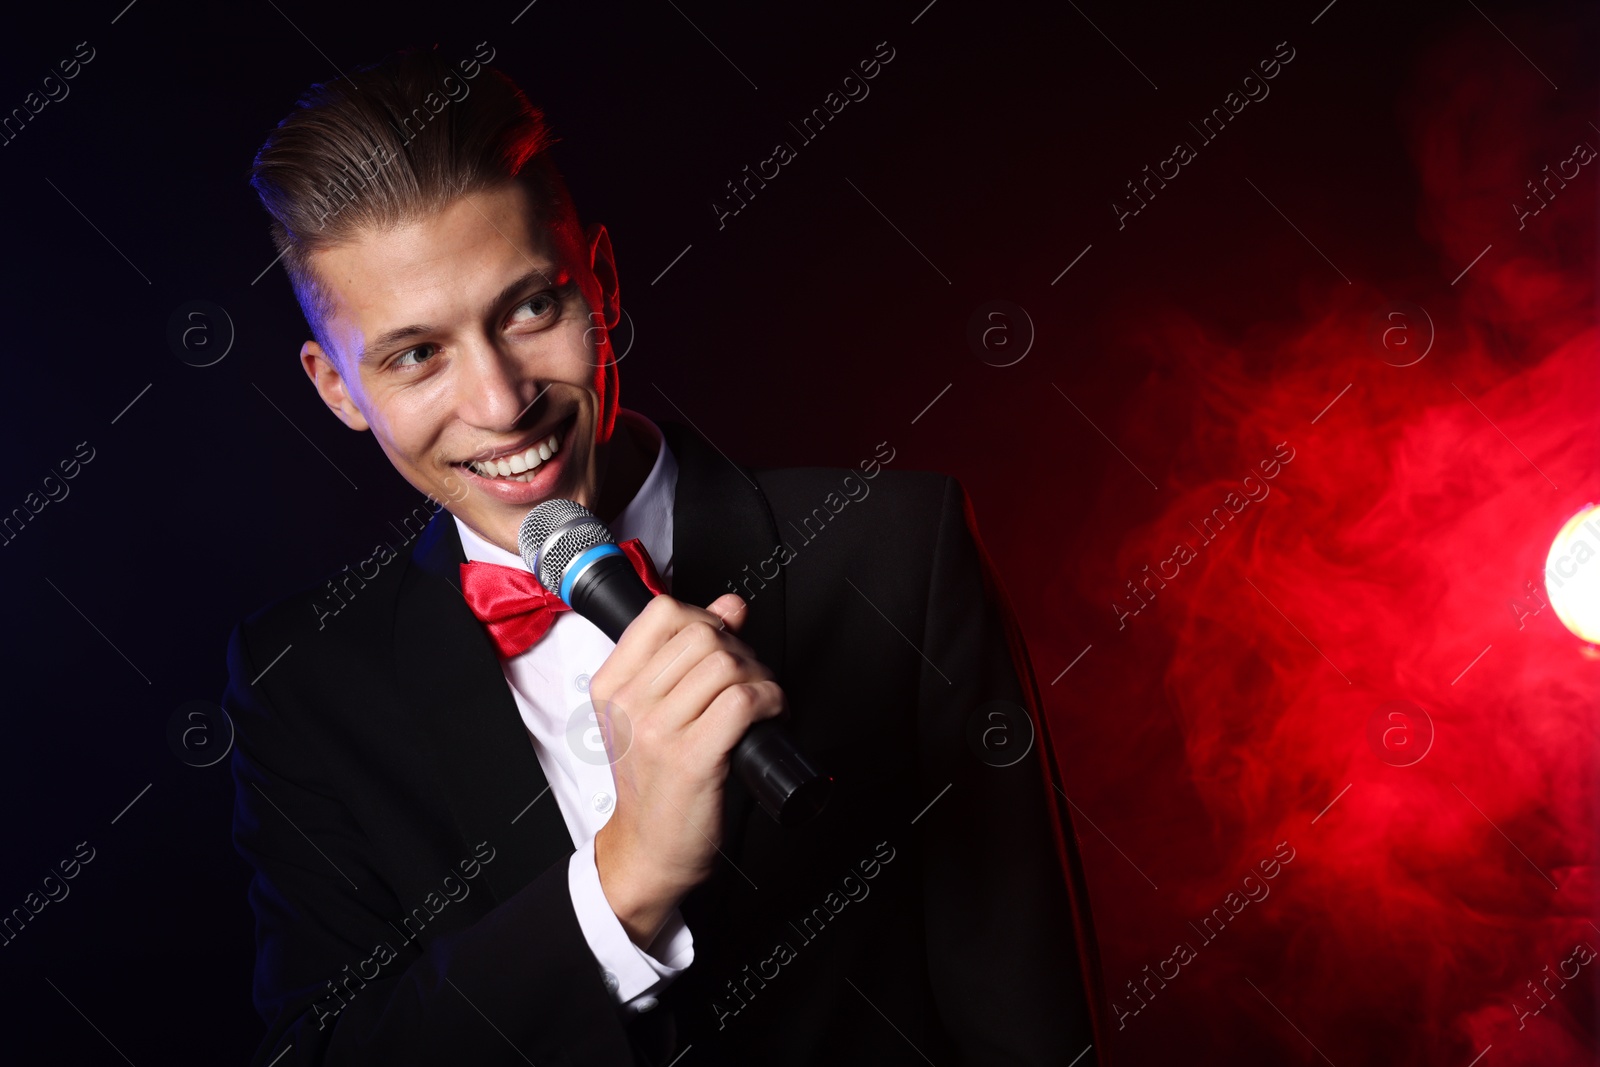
<point x="517" y="610"/>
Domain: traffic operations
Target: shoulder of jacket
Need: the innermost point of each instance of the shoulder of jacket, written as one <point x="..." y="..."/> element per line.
<point x="348" y="602"/>
<point x="807" y="486"/>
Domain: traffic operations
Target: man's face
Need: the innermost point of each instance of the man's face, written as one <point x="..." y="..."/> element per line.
<point x="474" y="335"/>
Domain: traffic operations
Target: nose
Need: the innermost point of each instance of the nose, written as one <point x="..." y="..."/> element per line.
<point x="493" y="392"/>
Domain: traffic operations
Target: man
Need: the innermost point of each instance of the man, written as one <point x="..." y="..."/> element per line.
<point x="418" y="896"/>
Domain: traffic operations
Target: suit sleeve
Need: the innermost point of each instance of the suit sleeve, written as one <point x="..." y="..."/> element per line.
<point x="337" y="983"/>
<point x="1011" y="949"/>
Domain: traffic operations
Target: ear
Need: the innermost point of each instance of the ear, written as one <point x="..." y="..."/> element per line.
<point x="605" y="272"/>
<point x="324" y="374"/>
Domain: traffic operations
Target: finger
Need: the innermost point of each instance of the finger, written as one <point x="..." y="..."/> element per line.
<point x="662" y="619"/>
<point x="731" y="609"/>
<point x="668" y="666"/>
<point x="705" y="681"/>
<point x="686" y="652"/>
<point x="735" y="710"/>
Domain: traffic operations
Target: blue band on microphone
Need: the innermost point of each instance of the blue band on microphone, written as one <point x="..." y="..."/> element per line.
<point x="580" y="563"/>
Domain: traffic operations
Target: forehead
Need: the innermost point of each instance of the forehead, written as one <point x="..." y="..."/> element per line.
<point x="443" y="268"/>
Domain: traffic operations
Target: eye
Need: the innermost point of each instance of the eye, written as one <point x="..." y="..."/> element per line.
<point x="541" y="307"/>
<point x="421" y="351"/>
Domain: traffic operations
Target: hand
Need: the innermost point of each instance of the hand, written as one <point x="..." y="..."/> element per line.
<point x="674" y="697"/>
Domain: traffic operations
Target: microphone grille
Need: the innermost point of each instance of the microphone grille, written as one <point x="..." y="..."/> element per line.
<point x="554" y="534"/>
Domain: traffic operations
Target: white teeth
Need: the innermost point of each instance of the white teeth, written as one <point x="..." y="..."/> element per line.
<point x="521" y="466"/>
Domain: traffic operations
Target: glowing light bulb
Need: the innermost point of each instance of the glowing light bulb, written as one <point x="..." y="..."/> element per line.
<point x="1572" y="574"/>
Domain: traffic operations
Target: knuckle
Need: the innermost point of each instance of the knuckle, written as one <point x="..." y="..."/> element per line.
<point x="702" y="634"/>
<point x="648" y="733"/>
<point x="741" y="698"/>
<point x="655" y="615"/>
<point x="757" y="699"/>
<point x="772" y="696"/>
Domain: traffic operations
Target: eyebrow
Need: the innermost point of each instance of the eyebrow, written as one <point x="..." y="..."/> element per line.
<point x="387" y="340"/>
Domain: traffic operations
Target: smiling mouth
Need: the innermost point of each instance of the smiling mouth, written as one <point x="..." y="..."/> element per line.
<point x="521" y="466"/>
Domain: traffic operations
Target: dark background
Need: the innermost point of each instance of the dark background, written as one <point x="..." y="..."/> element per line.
<point x="821" y="320"/>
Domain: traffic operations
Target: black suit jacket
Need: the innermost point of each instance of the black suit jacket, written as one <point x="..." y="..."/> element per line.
<point x="412" y="907"/>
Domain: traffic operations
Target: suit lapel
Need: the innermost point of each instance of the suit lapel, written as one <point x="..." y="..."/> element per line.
<point x="451" y="675"/>
<point x="453" y="680"/>
<point x="720" y="524"/>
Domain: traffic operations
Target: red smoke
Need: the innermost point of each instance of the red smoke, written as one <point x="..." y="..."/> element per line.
<point x="1384" y="558"/>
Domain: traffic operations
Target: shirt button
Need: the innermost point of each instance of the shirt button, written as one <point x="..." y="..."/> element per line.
<point x="610" y="981"/>
<point x="602" y="802"/>
<point x="581" y="683"/>
<point x="644" y="1003"/>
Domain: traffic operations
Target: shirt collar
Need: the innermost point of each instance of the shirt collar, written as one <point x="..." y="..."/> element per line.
<point x="648" y="516"/>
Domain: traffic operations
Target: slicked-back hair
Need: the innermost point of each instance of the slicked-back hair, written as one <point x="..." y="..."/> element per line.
<point x="393" y="141"/>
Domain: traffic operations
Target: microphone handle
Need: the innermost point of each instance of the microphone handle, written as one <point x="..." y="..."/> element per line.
<point x="609" y="593"/>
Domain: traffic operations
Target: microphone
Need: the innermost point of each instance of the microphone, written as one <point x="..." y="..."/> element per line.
<point x="573" y="555"/>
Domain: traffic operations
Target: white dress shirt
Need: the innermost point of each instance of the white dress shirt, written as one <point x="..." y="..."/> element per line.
<point x="550" y="682"/>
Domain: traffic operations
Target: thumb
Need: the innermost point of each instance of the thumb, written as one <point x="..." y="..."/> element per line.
<point x="731" y="609"/>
